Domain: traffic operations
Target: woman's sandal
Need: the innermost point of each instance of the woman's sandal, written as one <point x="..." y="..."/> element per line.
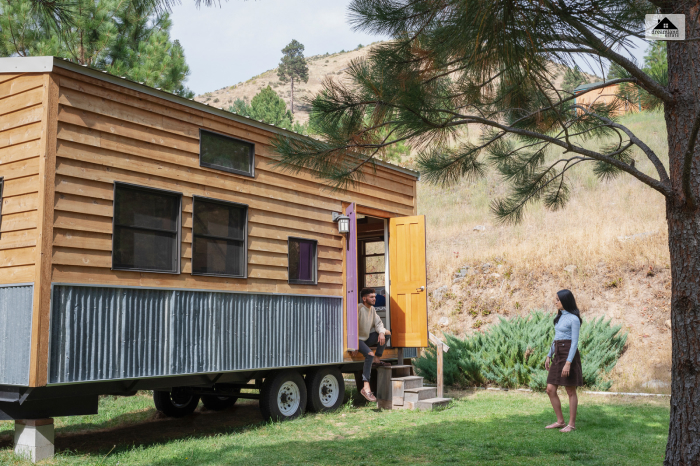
<point x="556" y="425"/>
<point x="369" y="396"/>
<point x="570" y="427"/>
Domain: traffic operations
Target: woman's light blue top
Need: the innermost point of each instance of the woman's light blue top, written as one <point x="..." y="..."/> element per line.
<point x="567" y="328"/>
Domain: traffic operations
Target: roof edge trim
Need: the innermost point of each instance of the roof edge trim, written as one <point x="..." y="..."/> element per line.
<point x="26" y="64"/>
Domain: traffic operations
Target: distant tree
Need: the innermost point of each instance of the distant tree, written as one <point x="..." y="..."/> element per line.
<point x="573" y="78"/>
<point x="293" y="66"/>
<point x="240" y="107"/>
<point x="128" y="38"/>
<point x="655" y="65"/>
<point x="270" y="108"/>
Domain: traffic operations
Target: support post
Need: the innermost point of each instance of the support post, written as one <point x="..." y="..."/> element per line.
<point x="34" y="439"/>
<point x="385" y="390"/>
<point x="439" y="371"/>
<point x="399" y="356"/>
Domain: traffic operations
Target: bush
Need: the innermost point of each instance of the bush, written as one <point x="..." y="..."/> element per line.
<point x="511" y="354"/>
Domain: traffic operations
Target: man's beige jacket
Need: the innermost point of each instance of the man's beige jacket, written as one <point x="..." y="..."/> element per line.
<point x="368" y="321"/>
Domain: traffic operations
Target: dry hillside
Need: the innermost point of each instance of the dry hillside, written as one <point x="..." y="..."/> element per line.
<point x="609" y="246"/>
<point x="320" y="68"/>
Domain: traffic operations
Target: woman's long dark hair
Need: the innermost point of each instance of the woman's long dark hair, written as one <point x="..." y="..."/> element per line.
<point x="567" y="300"/>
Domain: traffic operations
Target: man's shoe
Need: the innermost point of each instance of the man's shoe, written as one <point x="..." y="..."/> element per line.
<point x="368" y="395"/>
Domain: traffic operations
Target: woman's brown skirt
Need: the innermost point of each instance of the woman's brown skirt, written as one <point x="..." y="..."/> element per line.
<point x="561" y="352"/>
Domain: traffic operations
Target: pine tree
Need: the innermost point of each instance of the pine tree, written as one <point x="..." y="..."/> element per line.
<point x="487" y="64"/>
<point x="293" y="66"/>
<point x="573" y="77"/>
<point x="270" y="108"/>
<point x="124" y="38"/>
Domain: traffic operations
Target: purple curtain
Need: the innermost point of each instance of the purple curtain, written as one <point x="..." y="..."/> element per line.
<point x="305" y="260"/>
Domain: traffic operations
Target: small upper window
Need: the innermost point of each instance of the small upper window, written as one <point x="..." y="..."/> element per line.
<point x="302" y="261"/>
<point x="219" y="233"/>
<point x="226" y="153"/>
<point x="146" y="231"/>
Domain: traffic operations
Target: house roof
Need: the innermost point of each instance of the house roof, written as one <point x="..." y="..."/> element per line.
<point x="47" y="64"/>
<point x="583" y="87"/>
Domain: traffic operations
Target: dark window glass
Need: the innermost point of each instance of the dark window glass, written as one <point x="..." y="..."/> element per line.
<point x="302" y="260"/>
<point x="225" y="153"/>
<point x="146" y="229"/>
<point x="218" y="246"/>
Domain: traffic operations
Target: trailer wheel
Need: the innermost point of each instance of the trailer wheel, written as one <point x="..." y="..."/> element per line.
<point x="326" y="389"/>
<point x="176" y="403"/>
<point x="283" y="396"/>
<point x="218" y="403"/>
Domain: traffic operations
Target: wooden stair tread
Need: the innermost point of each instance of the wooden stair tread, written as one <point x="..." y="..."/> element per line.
<point x="406" y="378"/>
<point x="420" y="389"/>
<point x="404" y="366"/>
<point x="435" y="400"/>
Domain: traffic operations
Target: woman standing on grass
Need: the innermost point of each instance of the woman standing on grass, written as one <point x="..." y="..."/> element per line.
<point x="566" y="369"/>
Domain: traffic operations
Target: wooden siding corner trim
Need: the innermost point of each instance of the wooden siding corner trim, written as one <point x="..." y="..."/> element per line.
<point x="38" y="372"/>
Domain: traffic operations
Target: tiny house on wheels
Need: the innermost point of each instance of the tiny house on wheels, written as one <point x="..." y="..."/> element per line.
<point x="148" y="242"/>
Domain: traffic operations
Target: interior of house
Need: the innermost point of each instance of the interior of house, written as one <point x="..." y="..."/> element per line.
<point x="372" y="265"/>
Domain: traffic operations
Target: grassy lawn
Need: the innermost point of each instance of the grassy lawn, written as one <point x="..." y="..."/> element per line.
<point x="496" y="428"/>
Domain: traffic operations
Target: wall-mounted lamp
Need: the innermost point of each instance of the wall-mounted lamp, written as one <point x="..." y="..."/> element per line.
<point x="343" y="223"/>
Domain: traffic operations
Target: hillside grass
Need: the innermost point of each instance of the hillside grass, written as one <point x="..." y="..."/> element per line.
<point x="481" y="427"/>
<point x="615" y="273"/>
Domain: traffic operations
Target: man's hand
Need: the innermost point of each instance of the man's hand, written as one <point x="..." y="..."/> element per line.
<point x="546" y="363"/>
<point x="382" y="339"/>
<point x="565" y="371"/>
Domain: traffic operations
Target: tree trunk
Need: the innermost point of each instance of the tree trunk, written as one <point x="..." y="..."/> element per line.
<point x="292" y="95"/>
<point x="683" y="448"/>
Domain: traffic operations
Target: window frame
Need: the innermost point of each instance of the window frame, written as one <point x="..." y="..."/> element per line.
<point x="362" y="255"/>
<point x="212" y="166"/>
<point x="178" y="233"/>
<point x="294" y="281"/>
<point x="245" y="237"/>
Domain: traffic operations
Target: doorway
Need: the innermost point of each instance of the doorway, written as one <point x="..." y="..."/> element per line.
<point x="372" y="262"/>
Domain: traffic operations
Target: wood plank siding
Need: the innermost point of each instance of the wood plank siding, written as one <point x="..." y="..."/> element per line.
<point x="108" y="133"/>
<point x="21" y="147"/>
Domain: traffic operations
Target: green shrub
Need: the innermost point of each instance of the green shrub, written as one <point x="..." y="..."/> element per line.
<point x="511" y="354"/>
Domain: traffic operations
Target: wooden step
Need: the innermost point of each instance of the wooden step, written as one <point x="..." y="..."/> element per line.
<point x="402" y="371"/>
<point x="399" y="384"/>
<point x="417" y="394"/>
<point x="432" y="403"/>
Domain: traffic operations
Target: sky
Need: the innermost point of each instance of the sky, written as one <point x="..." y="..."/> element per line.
<point x="243" y="38"/>
<point x="239" y="39"/>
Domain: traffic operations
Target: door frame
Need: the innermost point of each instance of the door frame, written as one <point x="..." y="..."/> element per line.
<point x="377" y="213"/>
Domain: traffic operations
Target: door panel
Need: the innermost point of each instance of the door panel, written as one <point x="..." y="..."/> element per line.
<point x="351" y="281"/>
<point x="407" y="273"/>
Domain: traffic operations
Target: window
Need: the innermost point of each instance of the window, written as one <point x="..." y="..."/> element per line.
<point x="219" y="238"/>
<point x="146" y="231"/>
<point x="372" y="262"/>
<point x="302" y="261"/>
<point x="226" y="153"/>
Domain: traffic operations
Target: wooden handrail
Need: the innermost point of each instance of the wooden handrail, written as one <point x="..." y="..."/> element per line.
<point x="441" y="348"/>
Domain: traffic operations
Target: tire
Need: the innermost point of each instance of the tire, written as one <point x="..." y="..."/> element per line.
<point x="176" y="403"/>
<point x="326" y="389"/>
<point x="218" y="403"/>
<point x="283" y="396"/>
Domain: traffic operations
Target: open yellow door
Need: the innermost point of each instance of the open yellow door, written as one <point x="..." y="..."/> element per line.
<point x="407" y="275"/>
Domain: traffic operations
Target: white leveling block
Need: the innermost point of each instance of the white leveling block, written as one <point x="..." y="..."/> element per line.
<point x="34" y="439"/>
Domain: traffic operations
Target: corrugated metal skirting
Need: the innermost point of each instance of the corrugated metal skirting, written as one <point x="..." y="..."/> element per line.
<point x="15" y="333"/>
<point x="118" y="333"/>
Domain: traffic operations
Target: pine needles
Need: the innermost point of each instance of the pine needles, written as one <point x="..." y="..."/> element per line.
<point x="511" y="354"/>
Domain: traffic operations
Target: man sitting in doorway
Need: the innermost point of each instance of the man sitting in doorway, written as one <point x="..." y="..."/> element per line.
<point x="371" y="332"/>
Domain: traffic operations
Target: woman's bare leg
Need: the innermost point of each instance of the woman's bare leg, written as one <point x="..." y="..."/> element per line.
<point x="573" y="406"/>
<point x="556" y="404"/>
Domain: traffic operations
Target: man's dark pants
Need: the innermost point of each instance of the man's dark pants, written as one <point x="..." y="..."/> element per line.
<point x="372" y="340"/>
